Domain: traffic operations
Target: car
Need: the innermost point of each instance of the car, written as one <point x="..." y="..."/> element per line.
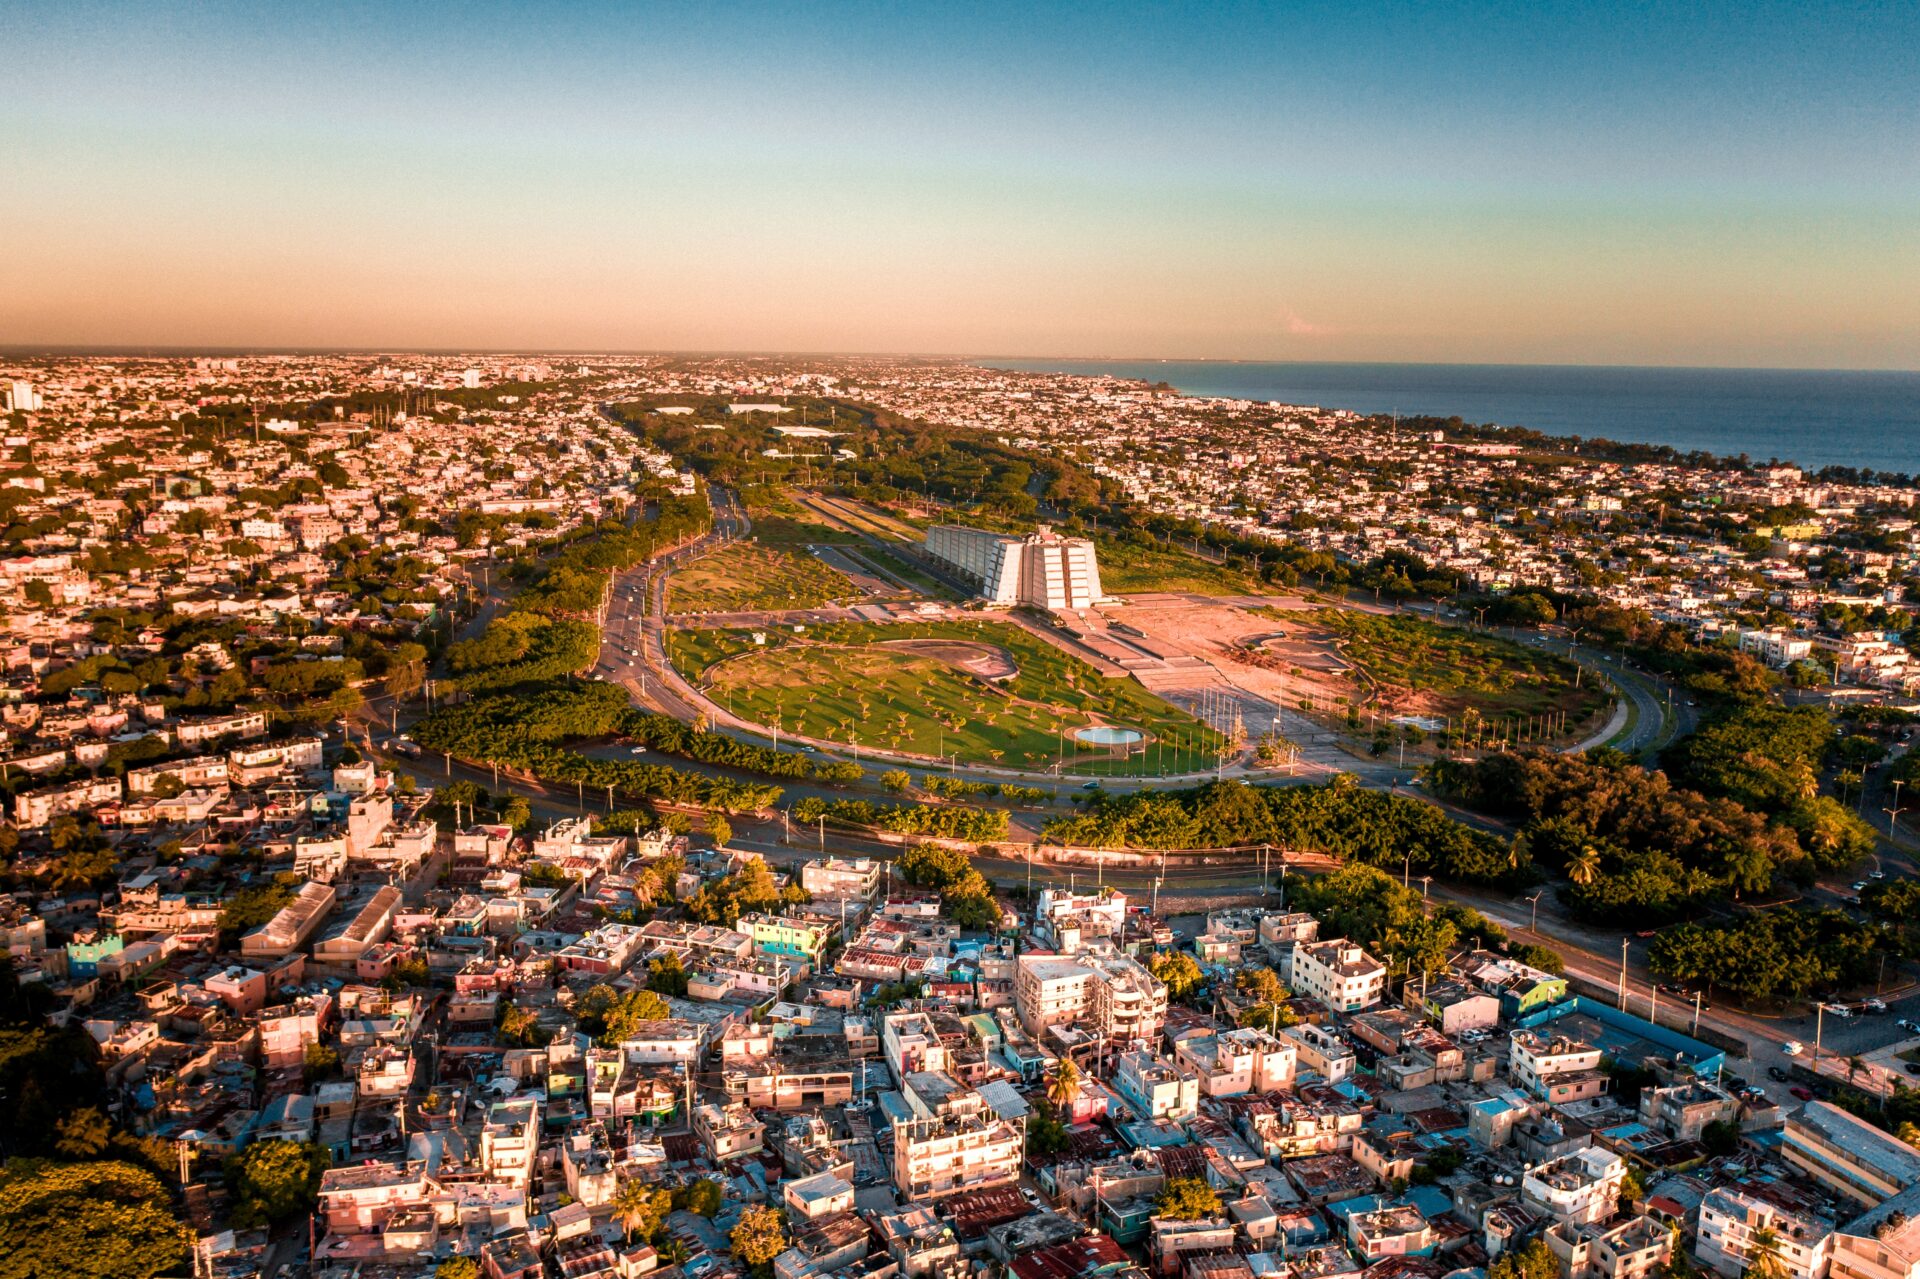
<point x="1735" y="1082"/>
<point x="1838" y="1010"/>
<point x="637" y="750"/>
<point x="1878" y="874"/>
<point x="1026" y="1193"/>
<point x="1907" y="1024"/>
<point x="1802" y="1092"/>
<point x="1913" y="1068"/>
<point x="1873" y="1007"/>
<point x="1792" y="1048"/>
<point x="1859" y="885"/>
<point x="1778" y="1075"/>
<point x="1089" y="785"/>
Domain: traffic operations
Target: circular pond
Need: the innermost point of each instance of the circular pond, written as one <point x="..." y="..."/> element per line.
<point x="1107" y="735"/>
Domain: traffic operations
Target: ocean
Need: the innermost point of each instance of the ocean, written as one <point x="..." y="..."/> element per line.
<point x="1815" y="418"/>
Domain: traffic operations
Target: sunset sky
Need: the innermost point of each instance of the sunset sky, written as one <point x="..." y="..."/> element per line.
<point x="1582" y="183"/>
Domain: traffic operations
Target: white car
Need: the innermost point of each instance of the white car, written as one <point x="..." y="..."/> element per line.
<point x="1792" y="1048"/>
<point x="1839" y="1010"/>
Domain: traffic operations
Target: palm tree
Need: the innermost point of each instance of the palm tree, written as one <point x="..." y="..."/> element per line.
<point x="1063" y="1085"/>
<point x="632" y="1205"/>
<point x="1763" y="1254"/>
<point x="1584" y="865"/>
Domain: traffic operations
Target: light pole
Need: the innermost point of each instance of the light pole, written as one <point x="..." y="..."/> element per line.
<point x="1533" y="918"/>
<point x="1623" y="973"/>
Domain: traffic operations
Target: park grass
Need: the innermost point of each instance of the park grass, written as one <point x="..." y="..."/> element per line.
<point x="873" y="520"/>
<point x="1130" y="568"/>
<point x="906" y="571"/>
<point x="1462" y="672"/>
<point x="745" y="578"/>
<point x="778" y="520"/>
<point x="840" y="683"/>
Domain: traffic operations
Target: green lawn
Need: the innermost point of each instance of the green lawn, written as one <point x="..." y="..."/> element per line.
<point x="743" y="577"/>
<point x="778" y="520"/>
<point x="845" y="683"/>
<point x="1127" y="567"/>
<point x="1461" y="670"/>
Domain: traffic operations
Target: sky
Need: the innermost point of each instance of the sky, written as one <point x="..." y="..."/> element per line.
<point x="1595" y="183"/>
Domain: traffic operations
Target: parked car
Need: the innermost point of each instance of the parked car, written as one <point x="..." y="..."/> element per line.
<point x="1778" y="1075"/>
<point x="1838" y="1010"/>
<point x="1906" y="1024"/>
<point x="1734" y="1083"/>
<point x="1802" y="1092"/>
<point x="1873" y="1007"/>
<point x="1878" y="874"/>
<point x="1792" y="1048"/>
<point x="1859" y="885"/>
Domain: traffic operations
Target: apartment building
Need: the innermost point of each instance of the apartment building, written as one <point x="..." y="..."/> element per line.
<point x="857" y="878"/>
<point x="1320" y="1051"/>
<point x="1155" y="1087"/>
<point x="1581" y="1188"/>
<point x="962" y="1146"/>
<point x="788" y="938"/>
<point x="1730" y="1216"/>
<point x="1104" y="994"/>
<point x="1632" y="1249"/>
<point x="1555" y="1067"/>
<point x="1241" y="1061"/>
<point x="1849" y="1156"/>
<point x="1882" y="1243"/>
<point x="1339" y="974"/>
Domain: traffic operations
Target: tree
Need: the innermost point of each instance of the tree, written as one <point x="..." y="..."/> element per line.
<point x="719" y="830"/>
<point x="641" y="1207"/>
<point x="275" y="1181"/>
<point x="700" y="1196"/>
<point x="896" y="780"/>
<point x="457" y="1268"/>
<point x="1535" y="1261"/>
<point x="668" y="975"/>
<point x="1063" y="1082"/>
<point x="622" y="1020"/>
<point x="1763" y="1254"/>
<point x="98" y="1220"/>
<point x="519" y="1027"/>
<point x="1262" y="983"/>
<point x="759" y="1238"/>
<point x="1187" y="1199"/>
<point x="322" y="1061"/>
<point x="1584" y="865"/>
<point x="1721" y="1137"/>
<point x="1179" y="971"/>
<point x="84" y="1134"/>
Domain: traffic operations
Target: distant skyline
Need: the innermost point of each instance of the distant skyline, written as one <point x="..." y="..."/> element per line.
<point x="1577" y="183"/>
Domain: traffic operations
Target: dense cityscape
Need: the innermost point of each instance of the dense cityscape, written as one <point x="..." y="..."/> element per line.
<point x="780" y="817"/>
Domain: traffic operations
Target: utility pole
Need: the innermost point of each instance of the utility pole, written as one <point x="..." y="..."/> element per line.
<point x="1623" y="974"/>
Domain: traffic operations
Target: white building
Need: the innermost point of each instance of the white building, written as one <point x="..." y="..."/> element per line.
<point x="1555" y="1067"/>
<point x="1239" y="1061"/>
<point x="1104" y="994"/>
<point x="1155" y="1087"/>
<point x="1731" y="1215"/>
<point x="1042" y="569"/>
<point x="1339" y="974"/>
<point x="1582" y="1188"/>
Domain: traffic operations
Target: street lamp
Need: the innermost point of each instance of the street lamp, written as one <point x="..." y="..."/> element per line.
<point x="1623" y="973"/>
<point x="1533" y="919"/>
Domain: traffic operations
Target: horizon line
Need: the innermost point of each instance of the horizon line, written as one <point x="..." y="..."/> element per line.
<point x="161" y="350"/>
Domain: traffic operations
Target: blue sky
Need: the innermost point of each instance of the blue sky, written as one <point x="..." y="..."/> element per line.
<point x="1568" y="183"/>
